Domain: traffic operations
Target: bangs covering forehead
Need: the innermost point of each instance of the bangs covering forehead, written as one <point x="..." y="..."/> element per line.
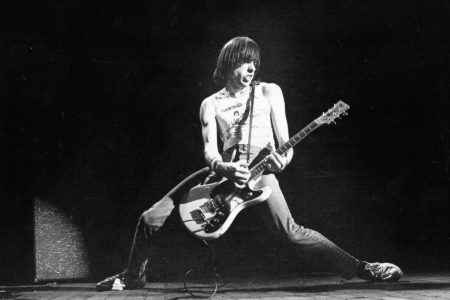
<point x="237" y="51"/>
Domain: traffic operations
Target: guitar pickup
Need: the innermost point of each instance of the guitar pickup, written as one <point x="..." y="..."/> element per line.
<point x="198" y="216"/>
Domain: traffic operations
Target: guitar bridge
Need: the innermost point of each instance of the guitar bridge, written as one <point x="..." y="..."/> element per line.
<point x="198" y="216"/>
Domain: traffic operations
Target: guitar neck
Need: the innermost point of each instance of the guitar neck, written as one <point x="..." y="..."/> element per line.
<point x="259" y="167"/>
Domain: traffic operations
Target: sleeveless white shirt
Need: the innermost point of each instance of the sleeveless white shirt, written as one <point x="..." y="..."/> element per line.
<point x="232" y="115"/>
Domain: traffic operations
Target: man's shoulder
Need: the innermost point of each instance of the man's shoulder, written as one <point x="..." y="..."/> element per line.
<point x="271" y="91"/>
<point x="210" y="99"/>
<point x="269" y="87"/>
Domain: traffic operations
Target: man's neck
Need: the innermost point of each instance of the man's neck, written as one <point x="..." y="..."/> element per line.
<point x="236" y="91"/>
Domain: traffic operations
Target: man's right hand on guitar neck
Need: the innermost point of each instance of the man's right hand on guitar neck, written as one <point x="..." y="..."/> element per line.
<point x="237" y="172"/>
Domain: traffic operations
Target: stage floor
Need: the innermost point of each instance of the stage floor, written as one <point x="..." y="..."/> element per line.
<point x="316" y="286"/>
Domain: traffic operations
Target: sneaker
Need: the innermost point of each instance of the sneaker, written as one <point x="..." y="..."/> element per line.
<point x="120" y="282"/>
<point x="381" y="272"/>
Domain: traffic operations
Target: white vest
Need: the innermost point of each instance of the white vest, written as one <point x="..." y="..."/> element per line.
<point x="232" y="115"/>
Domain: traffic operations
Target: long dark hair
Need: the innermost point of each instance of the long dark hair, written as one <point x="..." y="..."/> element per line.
<point x="234" y="53"/>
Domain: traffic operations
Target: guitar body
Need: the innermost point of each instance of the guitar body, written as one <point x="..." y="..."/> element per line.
<point x="209" y="210"/>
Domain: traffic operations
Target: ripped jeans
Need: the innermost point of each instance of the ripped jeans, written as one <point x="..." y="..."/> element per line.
<point x="274" y="212"/>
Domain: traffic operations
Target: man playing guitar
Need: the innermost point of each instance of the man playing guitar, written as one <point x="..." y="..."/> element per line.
<point x="227" y="113"/>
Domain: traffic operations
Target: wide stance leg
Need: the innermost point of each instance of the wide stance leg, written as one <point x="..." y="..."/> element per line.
<point x="277" y="216"/>
<point x="152" y="220"/>
<point x="148" y="225"/>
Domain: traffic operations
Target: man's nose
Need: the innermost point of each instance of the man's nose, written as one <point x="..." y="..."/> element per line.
<point x="251" y="67"/>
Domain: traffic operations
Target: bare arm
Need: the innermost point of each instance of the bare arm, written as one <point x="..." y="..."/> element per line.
<point x="235" y="171"/>
<point x="209" y="132"/>
<point x="278" y="114"/>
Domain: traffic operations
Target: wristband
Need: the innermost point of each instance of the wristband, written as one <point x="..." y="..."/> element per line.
<point x="214" y="162"/>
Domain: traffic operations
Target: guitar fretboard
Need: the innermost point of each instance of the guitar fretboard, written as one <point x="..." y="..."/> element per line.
<point x="259" y="167"/>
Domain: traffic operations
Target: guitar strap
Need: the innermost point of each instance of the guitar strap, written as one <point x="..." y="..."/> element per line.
<point x="252" y="98"/>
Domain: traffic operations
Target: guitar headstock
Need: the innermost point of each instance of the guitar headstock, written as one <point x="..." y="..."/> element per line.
<point x="340" y="108"/>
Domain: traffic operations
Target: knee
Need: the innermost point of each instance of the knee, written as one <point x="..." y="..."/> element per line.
<point x="299" y="234"/>
<point x="294" y="236"/>
<point x="153" y="218"/>
<point x="148" y="218"/>
<point x="149" y="224"/>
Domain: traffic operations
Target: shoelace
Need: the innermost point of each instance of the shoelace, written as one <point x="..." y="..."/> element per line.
<point x="377" y="270"/>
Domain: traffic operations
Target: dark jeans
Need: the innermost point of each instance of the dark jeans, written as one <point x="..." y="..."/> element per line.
<point x="274" y="211"/>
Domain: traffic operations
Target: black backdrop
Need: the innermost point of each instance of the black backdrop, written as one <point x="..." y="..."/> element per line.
<point x="99" y="115"/>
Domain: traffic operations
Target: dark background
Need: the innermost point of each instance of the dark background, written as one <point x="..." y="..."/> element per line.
<point x="99" y="115"/>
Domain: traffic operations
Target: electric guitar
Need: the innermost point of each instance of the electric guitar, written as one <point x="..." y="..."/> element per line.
<point x="210" y="209"/>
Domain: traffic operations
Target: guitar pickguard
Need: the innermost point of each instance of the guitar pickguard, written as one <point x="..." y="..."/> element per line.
<point x="209" y="209"/>
<point x="223" y="199"/>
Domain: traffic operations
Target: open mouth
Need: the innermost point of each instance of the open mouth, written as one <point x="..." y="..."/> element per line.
<point x="248" y="78"/>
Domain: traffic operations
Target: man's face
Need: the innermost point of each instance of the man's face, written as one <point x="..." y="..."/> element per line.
<point x="242" y="76"/>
